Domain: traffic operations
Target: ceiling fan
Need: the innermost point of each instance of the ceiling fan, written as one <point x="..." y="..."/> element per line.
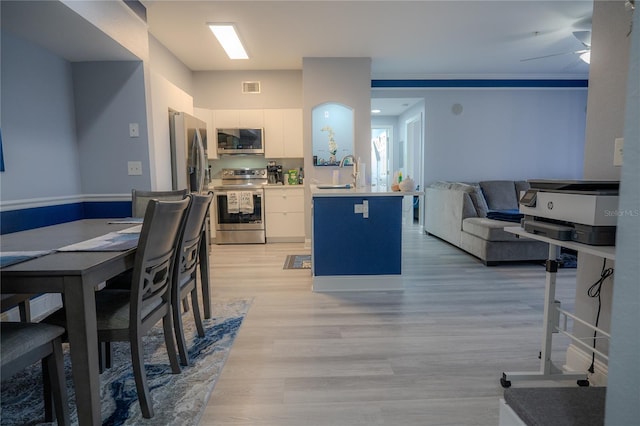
<point x="583" y="37"/>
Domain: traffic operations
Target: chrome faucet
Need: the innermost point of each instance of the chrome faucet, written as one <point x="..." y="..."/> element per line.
<point x="355" y="167"/>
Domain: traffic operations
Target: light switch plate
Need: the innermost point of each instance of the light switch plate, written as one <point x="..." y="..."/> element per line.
<point x="135" y="168"/>
<point x="134" y="130"/>
<point x="618" y="150"/>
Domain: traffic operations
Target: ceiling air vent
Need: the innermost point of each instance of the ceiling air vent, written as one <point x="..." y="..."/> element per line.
<point x="250" y="87"/>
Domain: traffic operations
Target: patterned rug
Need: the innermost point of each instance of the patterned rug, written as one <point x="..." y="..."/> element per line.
<point x="297" y="261"/>
<point x="178" y="399"/>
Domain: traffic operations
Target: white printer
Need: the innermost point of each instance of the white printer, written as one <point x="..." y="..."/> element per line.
<point x="572" y="210"/>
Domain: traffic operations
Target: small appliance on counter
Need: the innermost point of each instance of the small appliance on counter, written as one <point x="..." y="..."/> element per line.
<point x="274" y="174"/>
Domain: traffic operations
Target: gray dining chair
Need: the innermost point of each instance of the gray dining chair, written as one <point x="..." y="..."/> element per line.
<point x="140" y="199"/>
<point x="128" y="315"/>
<point x="185" y="271"/>
<point x="22" y="344"/>
<point x="22" y="301"/>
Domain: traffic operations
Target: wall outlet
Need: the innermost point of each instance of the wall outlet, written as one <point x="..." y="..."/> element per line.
<point x="135" y="168"/>
<point x="134" y="130"/>
<point x="617" y="151"/>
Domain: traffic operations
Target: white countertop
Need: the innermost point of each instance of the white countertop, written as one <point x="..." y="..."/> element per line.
<point x="367" y="191"/>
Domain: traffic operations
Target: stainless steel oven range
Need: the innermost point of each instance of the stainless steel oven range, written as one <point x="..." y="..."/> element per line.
<point x="239" y="207"/>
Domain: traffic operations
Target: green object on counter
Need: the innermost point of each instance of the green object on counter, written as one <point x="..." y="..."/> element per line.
<point x="293" y="177"/>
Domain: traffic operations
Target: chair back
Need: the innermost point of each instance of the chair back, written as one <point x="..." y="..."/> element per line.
<point x="140" y="199"/>
<point x="187" y="257"/>
<point x="154" y="262"/>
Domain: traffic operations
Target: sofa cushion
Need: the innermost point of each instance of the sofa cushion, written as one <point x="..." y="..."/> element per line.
<point x="499" y="194"/>
<point x="488" y="229"/>
<point x="475" y="195"/>
<point x="521" y="186"/>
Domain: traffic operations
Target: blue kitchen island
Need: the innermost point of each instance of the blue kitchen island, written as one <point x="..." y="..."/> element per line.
<point x="356" y="239"/>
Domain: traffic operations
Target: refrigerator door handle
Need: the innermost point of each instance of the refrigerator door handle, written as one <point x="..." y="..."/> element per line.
<point x="202" y="161"/>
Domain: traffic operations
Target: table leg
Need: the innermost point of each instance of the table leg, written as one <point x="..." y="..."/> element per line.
<point x="204" y="274"/>
<point x="548" y="371"/>
<point x="80" y="305"/>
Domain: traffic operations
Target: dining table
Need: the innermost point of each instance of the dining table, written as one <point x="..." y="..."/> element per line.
<point x="77" y="275"/>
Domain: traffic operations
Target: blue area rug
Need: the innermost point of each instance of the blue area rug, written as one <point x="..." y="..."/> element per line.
<point x="178" y="399"/>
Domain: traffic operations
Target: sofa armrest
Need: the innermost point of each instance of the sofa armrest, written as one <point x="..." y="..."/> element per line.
<point x="445" y="211"/>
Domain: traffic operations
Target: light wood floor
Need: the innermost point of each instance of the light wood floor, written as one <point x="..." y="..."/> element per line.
<point x="430" y="355"/>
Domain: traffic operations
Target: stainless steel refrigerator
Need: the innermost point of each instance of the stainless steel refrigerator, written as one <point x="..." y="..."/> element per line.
<point x="189" y="167"/>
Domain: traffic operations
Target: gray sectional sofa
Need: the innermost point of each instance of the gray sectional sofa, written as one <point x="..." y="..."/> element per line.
<point x="472" y="216"/>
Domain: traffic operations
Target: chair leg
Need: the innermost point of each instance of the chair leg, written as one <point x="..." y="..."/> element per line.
<point x="179" y="334"/>
<point x="25" y="311"/>
<point x="47" y="391"/>
<point x="104" y="356"/>
<point x="197" y="317"/>
<point x="57" y="384"/>
<point x="170" y="342"/>
<point x="137" y="361"/>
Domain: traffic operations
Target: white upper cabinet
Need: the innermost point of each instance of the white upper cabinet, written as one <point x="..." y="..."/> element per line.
<point x="239" y="118"/>
<point x="283" y="133"/>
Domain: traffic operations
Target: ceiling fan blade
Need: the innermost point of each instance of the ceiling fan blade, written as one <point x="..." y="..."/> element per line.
<point x="545" y="56"/>
<point x="584" y="37"/>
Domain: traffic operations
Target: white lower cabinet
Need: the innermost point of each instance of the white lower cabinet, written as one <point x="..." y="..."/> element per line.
<point x="284" y="214"/>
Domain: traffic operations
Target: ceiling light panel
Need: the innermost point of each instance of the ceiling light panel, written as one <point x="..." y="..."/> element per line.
<point x="228" y="38"/>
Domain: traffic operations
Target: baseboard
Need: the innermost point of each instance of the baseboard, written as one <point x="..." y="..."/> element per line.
<point x="357" y="283"/>
<point x="508" y="417"/>
<point x="578" y="360"/>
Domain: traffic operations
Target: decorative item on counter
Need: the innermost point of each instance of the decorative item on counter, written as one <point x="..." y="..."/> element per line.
<point x="397" y="178"/>
<point x="301" y="176"/>
<point x="293" y="177"/>
<point x="407" y="185"/>
<point x="333" y="146"/>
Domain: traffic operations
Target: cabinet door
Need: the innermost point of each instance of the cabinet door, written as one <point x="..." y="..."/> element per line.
<point x="347" y="243"/>
<point x="206" y="115"/>
<point x="273" y="133"/>
<point x="284" y="200"/>
<point x="251" y="118"/>
<point x="284" y="226"/>
<point x="226" y="118"/>
<point x="292" y="133"/>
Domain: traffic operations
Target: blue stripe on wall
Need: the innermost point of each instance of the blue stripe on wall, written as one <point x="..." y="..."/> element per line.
<point x="37" y="217"/>
<point x="470" y="83"/>
<point x="107" y="209"/>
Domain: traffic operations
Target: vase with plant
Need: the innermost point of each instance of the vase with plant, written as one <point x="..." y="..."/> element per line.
<point x="333" y="146"/>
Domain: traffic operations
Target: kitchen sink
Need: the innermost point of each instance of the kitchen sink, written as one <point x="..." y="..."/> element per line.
<point x="344" y="186"/>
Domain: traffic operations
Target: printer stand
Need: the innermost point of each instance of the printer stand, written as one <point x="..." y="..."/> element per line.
<point x="548" y="371"/>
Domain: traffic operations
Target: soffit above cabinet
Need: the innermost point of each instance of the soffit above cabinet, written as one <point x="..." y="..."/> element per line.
<point x="57" y="28"/>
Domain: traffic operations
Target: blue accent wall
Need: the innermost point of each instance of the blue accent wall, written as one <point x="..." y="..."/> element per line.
<point x="37" y="217"/>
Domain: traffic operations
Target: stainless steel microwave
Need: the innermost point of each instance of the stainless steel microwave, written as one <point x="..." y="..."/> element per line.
<point x="240" y="141"/>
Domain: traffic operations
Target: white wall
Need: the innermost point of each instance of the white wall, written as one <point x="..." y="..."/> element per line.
<point x="342" y="80"/>
<point x="164" y="96"/>
<point x="608" y="82"/>
<point x="108" y="96"/>
<point x="223" y="89"/>
<point x="512" y="134"/>
<point x="165" y="63"/>
<point x="623" y="392"/>
<point x="38" y="124"/>
<point x="502" y="133"/>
